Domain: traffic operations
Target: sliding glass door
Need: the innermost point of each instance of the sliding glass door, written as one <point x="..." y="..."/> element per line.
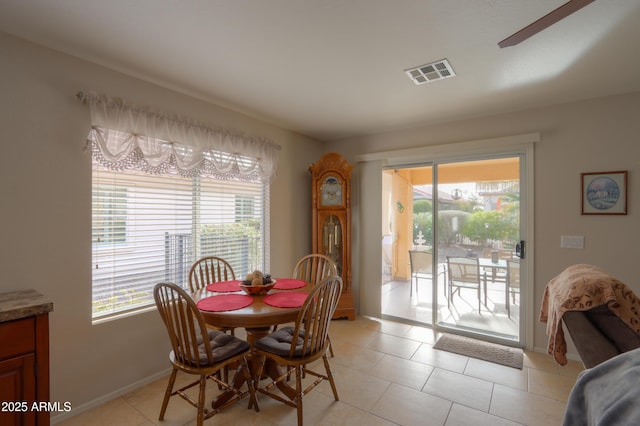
<point x="450" y="231"/>
<point x="407" y="225"/>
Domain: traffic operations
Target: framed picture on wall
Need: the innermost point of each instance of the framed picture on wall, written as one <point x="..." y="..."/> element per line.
<point x="604" y="193"/>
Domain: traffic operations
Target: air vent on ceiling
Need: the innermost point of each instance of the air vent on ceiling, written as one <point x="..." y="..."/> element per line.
<point x="431" y="72"/>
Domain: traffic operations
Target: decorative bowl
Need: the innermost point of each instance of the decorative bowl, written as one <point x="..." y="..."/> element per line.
<point x="257" y="290"/>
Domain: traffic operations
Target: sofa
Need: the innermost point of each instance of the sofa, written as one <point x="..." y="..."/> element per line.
<point x="602" y="316"/>
<point x="598" y="334"/>
<point x="600" y="312"/>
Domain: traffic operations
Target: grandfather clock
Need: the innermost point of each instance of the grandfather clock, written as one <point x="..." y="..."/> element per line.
<point x="331" y="221"/>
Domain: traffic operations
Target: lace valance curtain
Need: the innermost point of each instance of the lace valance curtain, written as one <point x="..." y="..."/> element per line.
<point x="125" y="136"/>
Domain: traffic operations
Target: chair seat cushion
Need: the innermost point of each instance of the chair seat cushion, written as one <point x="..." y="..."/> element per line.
<point x="223" y="346"/>
<point x="279" y="342"/>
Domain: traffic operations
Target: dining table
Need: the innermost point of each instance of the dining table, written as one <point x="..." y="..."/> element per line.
<point x="227" y="305"/>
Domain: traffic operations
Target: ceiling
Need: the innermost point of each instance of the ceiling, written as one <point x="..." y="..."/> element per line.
<point x="334" y="69"/>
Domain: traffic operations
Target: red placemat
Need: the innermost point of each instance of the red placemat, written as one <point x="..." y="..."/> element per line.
<point x="289" y="283"/>
<point x="224" y="302"/>
<point x="290" y="299"/>
<point x="225" y="286"/>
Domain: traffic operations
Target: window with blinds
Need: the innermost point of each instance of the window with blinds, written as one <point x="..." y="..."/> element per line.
<point x="150" y="228"/>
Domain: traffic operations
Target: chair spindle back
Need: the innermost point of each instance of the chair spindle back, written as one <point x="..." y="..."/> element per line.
<point x="209" y="270"/>
<point x="184" y="323"/>
<point x="313" y="268"/>
<point x="315" y="316"/>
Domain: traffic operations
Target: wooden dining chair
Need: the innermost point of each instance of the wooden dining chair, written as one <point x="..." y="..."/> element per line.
<point x="199" y="351"/>
<point x="464" y="272"/>
<point x="313" y="269"/>
<point x="297" y="346"/>
<point x="209" y="270"/>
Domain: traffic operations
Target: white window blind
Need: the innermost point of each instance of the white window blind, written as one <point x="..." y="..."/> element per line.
<point x="166" y="192"/>
<point x="151" y="228"/>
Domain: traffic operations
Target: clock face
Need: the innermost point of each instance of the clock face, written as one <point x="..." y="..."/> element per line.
<point x="331" y="191"/>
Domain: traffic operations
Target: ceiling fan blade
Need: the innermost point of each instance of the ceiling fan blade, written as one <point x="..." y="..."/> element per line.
<point x="546" y="21"/>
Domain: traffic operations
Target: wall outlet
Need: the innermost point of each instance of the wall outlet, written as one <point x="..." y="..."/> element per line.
<point x="572" y="241"/>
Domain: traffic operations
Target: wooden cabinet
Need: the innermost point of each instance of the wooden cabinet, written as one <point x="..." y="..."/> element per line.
<point x="24" y="359"/>
<point x="331" y="221"/>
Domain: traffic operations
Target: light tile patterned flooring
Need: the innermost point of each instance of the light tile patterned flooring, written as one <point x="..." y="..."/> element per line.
<point x="387" y="373"/>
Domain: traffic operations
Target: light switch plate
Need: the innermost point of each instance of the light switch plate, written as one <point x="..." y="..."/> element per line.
<point x="572" y="241"/>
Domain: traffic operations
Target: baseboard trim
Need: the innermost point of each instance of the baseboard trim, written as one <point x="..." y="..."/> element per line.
<point x="108" y="397"/>
<point x="570" y="355"/>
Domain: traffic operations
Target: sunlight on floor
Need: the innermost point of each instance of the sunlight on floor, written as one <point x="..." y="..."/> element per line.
<point x="462" y="312"/>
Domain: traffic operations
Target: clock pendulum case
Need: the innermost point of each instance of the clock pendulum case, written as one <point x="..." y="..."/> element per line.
<point x="331" y="221"/>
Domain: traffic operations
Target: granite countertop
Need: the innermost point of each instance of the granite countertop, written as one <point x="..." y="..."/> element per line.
<point x="23" y="303"/>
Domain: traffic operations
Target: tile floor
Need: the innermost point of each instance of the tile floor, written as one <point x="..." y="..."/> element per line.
<point x="387" y="373"/>
<point x="398" y="301"/>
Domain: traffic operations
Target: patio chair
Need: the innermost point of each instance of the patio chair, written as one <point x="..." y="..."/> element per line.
<point x="464" y="272"/>
<point x="513" y="283"/>
<point x="421" y="263"/>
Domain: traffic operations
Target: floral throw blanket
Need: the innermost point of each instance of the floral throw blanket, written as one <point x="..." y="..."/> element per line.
<point x="580" y="288"/>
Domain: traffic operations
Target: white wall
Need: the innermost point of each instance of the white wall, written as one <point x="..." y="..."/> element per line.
<point x="45" y="209"/>
<point x="45" y="199"/>
<point x="589" y="136"/>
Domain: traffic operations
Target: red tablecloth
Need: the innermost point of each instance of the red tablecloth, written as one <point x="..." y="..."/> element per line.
<point x="289" y="283"/>
<point x="224" y="302"/>
<point x="225" y="286"/>
<point x="290" y="299"/>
